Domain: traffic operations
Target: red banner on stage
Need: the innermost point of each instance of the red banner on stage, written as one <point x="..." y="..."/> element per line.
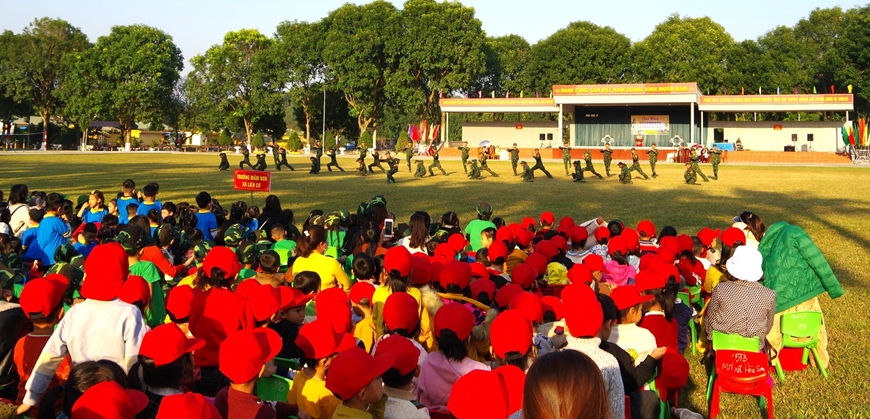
<point x="252" y="180"/>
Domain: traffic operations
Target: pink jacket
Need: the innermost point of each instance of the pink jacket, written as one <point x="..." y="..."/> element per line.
<point x="618" y="274"/>
<point x="437" y="375"/>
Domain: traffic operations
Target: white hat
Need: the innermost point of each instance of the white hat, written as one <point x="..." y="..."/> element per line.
<point x="745" y="264"/>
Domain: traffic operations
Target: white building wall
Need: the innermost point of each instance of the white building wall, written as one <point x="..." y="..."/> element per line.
<point x="761" y="136"/>
<point x="504" y="134"/>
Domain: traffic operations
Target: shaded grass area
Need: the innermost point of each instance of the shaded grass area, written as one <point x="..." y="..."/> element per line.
<point x="831" y="203"/>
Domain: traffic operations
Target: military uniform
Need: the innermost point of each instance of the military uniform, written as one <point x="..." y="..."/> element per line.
<point x="624" y="174"/>
<point x="715" y="156"/>
<point x="484" y="166"/>
<point x="361" y="169"/>
<point x="587" y="157"/>
<point x="515" y="158"/>
<point x="653" y="159"/>
<point x="421" y="170"/>
<point x="436" y="163"/>
<point x="318" y="152"/>
<point x="225" y="164"/>
<point x="635" y="164"/>
<point x="528" y="173"/>
<point x="464" y="151"/>
<point x="332" y="161"/>
<point x="276" y="155"/>
<point x="475" y="170"/>
<point x="283" y="161"/>
<point x="566" y="156"/>
<point x="608" y="157"/>
<point x="693" y="159"/>
<point x="690" y="177"/>
<point x="362" y="154"/>
<point x="261" y="162"/>
<point x="377" y="162"/>
<point x="394" y="167"/>
<point x="246" y="159"/>
<point x="539" y="165"/>
<point x="578" y="172"/>
<point x="315" y="166"/>
<point x="409" y="154"/>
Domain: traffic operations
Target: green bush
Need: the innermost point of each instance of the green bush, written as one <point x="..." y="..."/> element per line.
<point x="294" y="143"/>
<point x="365" y="140"/>
<point x="403" y="141"/>
<point x="226" y="139"/>
<point x="258" y="142"/>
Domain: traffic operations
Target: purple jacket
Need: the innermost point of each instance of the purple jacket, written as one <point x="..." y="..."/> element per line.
<point x="437" y="375"/>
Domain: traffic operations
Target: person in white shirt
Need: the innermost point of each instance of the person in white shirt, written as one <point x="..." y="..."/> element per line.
<point x="637" y="341"/>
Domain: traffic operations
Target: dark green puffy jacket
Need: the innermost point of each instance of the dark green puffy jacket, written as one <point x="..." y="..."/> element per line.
<point x="794" y="266"/>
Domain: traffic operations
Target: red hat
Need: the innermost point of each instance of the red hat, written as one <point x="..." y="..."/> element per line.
<point x="467" y="401"/>
<point x="504" y="294"/>
<point x="178" y="301"/>
<point x="523" y="275"/>
<point x="135" y="290"/>
<point x="445" y="250"/>
<point x="566" y="222"/>
<point x="266" y="301"/>
<point x="455" y="317"/>
<point x="617" y="244"/>
<point x="483" y="285"/>
<point x="42" y="296"/>
<point x="420" y="264"/>
<point x="632" y="240"/>
<point x="547" y="217"/>
<point x="292" y="297"/>
<point x="668" y="270"/>
<point x="547" y="249"/>
<point x="674" y="369"/>
<point x="707" y="235"/>
<point x="670" y="242"/>
<point x="515" y="228"/>
<point x="223" y="258"/>
<point x="436" y="265"/>
<point x="190" y="405"/>
<point x="407" y="355"/>
<point x="457" y="242"/>
<point x="553" y="304"/>
<point x="580" y="274"/>
<point x="560" y="243"/>
<point x="646" y="228"/>
<point x="538" y="262"/>
<point x="578" y="234"/>
<point x="455" y="273"/>
<point x="602" y="233"/>
<point x="504" y="234"/>
<point x="686" y="242"/>
<point x="594" y="262"/>
<point x="649" y="260"/>
<point x="360" y="291"/>
<point x="524" y="238"/>
<point x="166" y="343"/>
<point x="528" y="222"/>
<point x="666" y="254"/>
<point x="583" y="314"/>
<point x="109" y="400"/>
<point x="333" y="305"/>
<point x="650" y="279"/>
<point x="514" y="379"/>
<point x="397" y="260"/>
<point x="478" y="270"/>
<point x="497" y="250"/>
<point x="732" y="235"/>
<point x="318" y="339"/>
<point x="511" y="331"/>
<point x="529" y="305"/>
<point x="244" y="352"/>
<point x="106" y="268"/>
<point x="628" y="296"/>
<point x="246" y="287"/>
<point x="352" y="370"/>
<point x="401" y="311"/>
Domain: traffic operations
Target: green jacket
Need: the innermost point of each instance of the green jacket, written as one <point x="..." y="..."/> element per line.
<point x="794" y="266"/>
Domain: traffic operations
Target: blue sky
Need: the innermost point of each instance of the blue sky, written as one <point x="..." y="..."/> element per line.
<point x="195" y="25"/>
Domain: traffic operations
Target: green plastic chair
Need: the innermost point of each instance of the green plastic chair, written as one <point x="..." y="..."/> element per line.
<point x="274" y="388"/>
<point x="290" y="364"/>
<point x="664" y="407"/>
<point x="801" y="325"/>
<point x="729" y="342"/>
<point x="684" y="297"/>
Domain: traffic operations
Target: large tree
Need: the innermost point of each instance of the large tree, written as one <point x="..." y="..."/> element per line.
<point x="300" y="46"/>
<point x="582" y="53"/>
<point x="128" y="76"/>
<point x="684" y="49"/>
<point x="853" y="60"/>
<point x="241" y="78"/>
<point x="40" y="64"/>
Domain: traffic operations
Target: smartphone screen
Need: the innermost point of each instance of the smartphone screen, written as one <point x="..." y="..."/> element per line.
<point x="388" y="228"/>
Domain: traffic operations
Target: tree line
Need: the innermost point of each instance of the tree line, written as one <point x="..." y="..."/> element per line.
<point x="380" y="68"/>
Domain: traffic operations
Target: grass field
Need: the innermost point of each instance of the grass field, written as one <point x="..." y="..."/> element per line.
<point x="831" y="203"/>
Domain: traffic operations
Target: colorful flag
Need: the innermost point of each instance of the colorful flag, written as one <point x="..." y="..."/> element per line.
<point x="493" y="94"/>
<point x="521" y="93"/>
<point x="480" y="93"/>
<point x="795" y="90"/>
<point x="777" y="89"/>
<point x="536" y="93"/>
<point x="507" y="94"/>
<point x="742" y="91"/>
<point x="814" y="90"/>
<point x="726" y="90"/>
<point x="759" y="90"/>
<point x="832" y="89"/>
<point x="440" y="94"/>
<point x="850" y="88"/>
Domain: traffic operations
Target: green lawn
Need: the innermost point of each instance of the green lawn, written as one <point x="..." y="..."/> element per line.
<point x="831" y="203"/>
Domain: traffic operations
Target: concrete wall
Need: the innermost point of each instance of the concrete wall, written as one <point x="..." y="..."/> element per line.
<point x="761" y="136"/>
<point x="504" y="134"/>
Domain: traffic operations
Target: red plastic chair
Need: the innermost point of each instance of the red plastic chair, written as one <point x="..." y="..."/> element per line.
<point x="627" y="408"/>
<point x="439" y="414"/>
<point x="742" y="373"/>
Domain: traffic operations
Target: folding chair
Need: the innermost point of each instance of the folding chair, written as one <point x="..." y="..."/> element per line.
<point x="803" y="325"/>
<point x="742" y="372"/>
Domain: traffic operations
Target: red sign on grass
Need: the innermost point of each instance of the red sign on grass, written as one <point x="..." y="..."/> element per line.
<point x="252" y="180"/>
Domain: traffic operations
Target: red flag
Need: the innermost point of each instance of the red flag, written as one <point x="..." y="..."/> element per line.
<point x="832" y="89"/>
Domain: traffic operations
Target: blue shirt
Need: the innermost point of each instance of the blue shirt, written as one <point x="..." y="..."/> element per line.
<point x="32" y="251"/>
<point x="51" y="234"/>
<point x="83" y="249"/>
<point x="122" y="208"/>
<point x="92" y="216"/>
<point x="253" y="225"/>
<point x="206" y="222"/>
<point x="144" y="208"/>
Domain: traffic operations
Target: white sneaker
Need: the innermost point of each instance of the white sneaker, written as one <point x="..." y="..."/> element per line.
<point x="682" y="413"/>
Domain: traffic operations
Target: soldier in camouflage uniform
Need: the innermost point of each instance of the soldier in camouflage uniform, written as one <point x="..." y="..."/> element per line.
<point x="624" y="173"/>
<point x="539" y="165"/>
<point x="315" y="165"/>
<point x="246" y="159"/>
<point x="377" y="162"/>
<point x="566" y="155"/>
<point x="608" y="157"/>
<point x="528" y="174"/>
<point x="275" y="154"/>
<point x="715" y="158"/>
<point x="283" y="161"/>
<point x="653" y="153"/>
<point x="261" y="162"/>
<point x="689" y="176"/>
<point x="515" y="157"/>
<point x="436" y="163"/>
<point x="332" y="160"/>
<point x="421" y="170"/>
<point x="587" y="157"/>
<point x="409" y="154"/>
<point x="394" y="167"/>
<point x="693" y="159"/>
<point x="578" y="172"/>
<point x="635" y="164"/>
<point x="474" y="172"/>
<point x="484" y="166"/>
<point x="464" y="150"/>
<point x="225" y="164"/>
<point x="361" y="168"/>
